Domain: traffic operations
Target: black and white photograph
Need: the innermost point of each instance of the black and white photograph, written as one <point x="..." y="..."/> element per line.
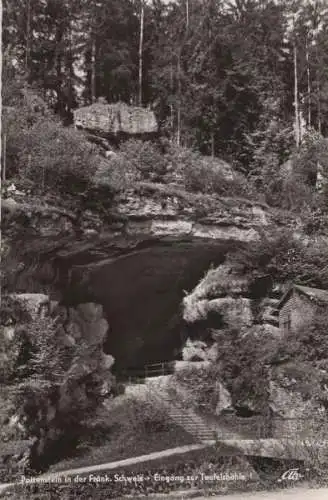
<point x="164" y="250"/>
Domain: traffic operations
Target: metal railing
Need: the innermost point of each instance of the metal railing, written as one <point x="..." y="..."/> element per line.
<point x="158" y="369"/>
<point x="138" y="375"/>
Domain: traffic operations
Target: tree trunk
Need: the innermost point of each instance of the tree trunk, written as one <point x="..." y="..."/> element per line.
<point x="212" y="144"/>
<point x="179" y="100"/>
<point x="308" y="82"/>
<point x="28" y="37"/>
<point x="4" y="156"/>
<point x="142" y="15"/>
<point x="318" y="97"/>
<point x="319" y="110"/>
<point x="296" y="103"/>
<point x="187" y="14"/>
<point x="93" y="71"/>
<point x="171" y="105"/>
<point x="70" y="72"/>
<point x="59" y="72"/>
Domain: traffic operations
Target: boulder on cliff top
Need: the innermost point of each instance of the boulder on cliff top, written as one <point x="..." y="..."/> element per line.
<point x="114" y="119"/>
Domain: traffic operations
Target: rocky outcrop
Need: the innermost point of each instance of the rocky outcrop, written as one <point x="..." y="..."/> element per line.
<point x="194" y="351"/>
<point x="235" y="312"/>
<point x="222" y="291"/>
<point x="151" y="209"/>
<point x="159" y="210"/>
<point x="159" y="236"/>
<point x="115" y="119"/>
<point x="85" y="376"/>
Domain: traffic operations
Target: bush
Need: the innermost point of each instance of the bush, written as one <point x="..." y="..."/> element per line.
<point x="274" y="254"/>
<point x="309" y="343"/>
<point x="201" y="383"/>
<point x="56" y="158"/>
<point x="116" y="174"/>
<point x="298" y="187"/>
<point x="144" y="157"/>
<point x="40" y="148"/>
<point x="242" y="368"/>
<point x="146" y="416"/>
<point x="285" y="259"/>
<point x="204" y="174"/>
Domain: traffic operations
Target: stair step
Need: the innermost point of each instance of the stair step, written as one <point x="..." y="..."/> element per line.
<point x="187" y="419"/>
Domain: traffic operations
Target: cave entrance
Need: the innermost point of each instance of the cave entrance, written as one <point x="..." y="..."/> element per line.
<point x="142" y="294"/>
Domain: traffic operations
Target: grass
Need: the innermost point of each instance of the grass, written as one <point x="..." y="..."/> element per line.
<point x="117" y="436"/>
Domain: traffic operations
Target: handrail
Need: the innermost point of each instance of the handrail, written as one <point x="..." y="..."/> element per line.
<point x="148" y="370"/>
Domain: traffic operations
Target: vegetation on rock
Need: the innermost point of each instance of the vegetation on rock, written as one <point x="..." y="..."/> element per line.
<point x="53" y="382"/>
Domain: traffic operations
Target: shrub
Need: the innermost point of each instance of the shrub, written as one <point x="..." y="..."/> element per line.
<point x="274" y="254"/>
<point x="204" y="174"/>
<point x="146" y="416"/>
<point x="144" y="157"/>
<point x="283" y="258"/>
<point x="201" y="384"/>
<point x="298" y="187"/>
<point x="246" y="380"/>
<point x="40" y="148"/>
<point x="116" y="174"/>
<point x="56" y="158"/>
<point x="308" y="343"/>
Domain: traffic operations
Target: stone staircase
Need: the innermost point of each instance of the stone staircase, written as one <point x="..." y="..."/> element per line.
<point x="192" y="422"/>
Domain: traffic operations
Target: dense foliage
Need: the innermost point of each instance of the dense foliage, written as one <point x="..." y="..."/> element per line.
<point x="284" y="259"/>
<point x="220" y="76"/>
<point x="247" y="364"/>
<point x="235" y="368"/>
<point x="167" y="163"/>
<point x="40" y="150"/>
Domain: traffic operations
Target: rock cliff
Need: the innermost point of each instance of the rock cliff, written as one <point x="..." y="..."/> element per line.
<point x="149" y="246"/>
<point x="145" y="247"/>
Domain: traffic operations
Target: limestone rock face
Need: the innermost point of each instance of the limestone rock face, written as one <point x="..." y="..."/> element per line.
<point x="194" y="351"/>
<point x="236" y="312"/>
<point x="154" y="209"/>
<point x="116" y="118"/>
<point x="87" y="373"/>
<point x="220" y="291"/>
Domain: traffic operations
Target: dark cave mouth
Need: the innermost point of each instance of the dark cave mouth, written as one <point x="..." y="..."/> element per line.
<point x="141" y="294"/>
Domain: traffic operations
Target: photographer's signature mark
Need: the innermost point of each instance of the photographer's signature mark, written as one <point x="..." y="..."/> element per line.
<point x="291" y="475"/>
